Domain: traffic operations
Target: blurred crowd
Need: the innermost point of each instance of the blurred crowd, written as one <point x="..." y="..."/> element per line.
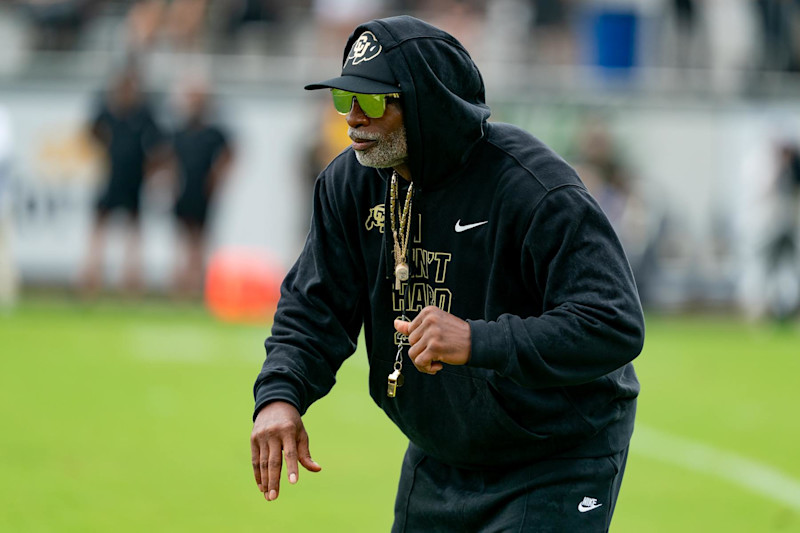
<point x="761" y="34"/>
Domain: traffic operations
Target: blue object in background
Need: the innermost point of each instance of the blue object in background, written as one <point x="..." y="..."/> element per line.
<point x="611" y="36"/>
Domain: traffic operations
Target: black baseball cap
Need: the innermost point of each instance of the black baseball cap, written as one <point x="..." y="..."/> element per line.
<point x="365" y="70"/>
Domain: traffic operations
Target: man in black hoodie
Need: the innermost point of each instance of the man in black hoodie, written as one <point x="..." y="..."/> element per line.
<point x="500" y="315"/>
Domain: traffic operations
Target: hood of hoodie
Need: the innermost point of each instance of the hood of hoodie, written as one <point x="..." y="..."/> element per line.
<point x="444" y="108"/>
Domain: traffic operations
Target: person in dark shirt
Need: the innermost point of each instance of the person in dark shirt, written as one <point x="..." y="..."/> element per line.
<point x="783" y="270"/>
<point x="499" y="312"/>
<point x="202" y="156"/>
<point x="128" y="132"/>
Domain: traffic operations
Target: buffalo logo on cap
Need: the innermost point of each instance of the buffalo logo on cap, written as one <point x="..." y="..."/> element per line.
<point x="365" y="48"/>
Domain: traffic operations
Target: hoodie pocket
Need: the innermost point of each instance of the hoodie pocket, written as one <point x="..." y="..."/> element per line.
<point x="545" y="413"/>
<point x="493" y="398"/>
<point x="457" y="420"/>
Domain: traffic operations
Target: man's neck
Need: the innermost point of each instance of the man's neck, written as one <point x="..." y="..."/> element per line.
<point x="403" y="171"/>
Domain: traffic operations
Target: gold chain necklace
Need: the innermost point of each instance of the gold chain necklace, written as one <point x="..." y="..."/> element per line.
<point x="401" y="231"/>
<point x="401" y="237"/>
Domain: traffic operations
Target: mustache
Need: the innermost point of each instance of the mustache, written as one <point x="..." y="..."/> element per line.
<point x="355" y="133"/>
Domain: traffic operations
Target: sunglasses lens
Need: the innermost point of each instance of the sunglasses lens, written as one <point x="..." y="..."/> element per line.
<point x="342" y="100"/>
<point x="373" y="105"/>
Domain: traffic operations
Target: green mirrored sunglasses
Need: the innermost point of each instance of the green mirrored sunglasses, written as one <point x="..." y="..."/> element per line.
<point x="373" y="105"/>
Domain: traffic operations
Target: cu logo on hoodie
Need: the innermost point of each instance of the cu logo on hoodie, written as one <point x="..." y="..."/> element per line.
<point x="376" y="218"/>
<point x="365" y="48"/>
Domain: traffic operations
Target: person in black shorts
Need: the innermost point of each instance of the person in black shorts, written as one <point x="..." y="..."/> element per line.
<point x="126" y="128"/>
<point x="201" y="155"/>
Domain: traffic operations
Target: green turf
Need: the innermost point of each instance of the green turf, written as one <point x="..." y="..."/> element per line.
<point x="136" y="418"/>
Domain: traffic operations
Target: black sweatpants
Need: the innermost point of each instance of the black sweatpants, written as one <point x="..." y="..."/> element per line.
<point x="569" y="495"/>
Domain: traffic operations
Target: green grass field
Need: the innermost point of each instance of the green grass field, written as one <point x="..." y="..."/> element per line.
<point x="123" y="418"/>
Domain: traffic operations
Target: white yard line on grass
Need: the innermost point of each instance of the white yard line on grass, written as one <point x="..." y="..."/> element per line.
<point x="742" y="471"/>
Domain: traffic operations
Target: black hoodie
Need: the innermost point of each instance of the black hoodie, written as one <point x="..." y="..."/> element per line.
<point x="538" y="273"/>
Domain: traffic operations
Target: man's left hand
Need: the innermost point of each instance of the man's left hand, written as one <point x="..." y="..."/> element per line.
<point x="436" y="337"/>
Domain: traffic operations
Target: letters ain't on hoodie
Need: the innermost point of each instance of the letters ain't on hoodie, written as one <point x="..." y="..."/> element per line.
<point x="544" y="284"/>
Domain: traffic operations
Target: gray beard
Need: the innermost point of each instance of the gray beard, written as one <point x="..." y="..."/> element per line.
<point x="388" y="152"/>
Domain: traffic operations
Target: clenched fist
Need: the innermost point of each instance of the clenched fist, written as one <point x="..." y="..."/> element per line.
<point x="436" y="337"/>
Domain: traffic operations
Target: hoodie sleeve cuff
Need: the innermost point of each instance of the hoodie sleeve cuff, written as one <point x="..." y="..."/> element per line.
<point x="276" y="389"/>
<point x="489" y="346"/>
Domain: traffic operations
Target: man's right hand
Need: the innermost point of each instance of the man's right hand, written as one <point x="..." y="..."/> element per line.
<point x="278" y="433"/>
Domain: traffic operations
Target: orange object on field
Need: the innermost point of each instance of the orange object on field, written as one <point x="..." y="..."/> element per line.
<point x="243" y="284"/>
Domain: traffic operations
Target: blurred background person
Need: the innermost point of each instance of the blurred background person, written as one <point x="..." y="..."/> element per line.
<point x="602" y="168"/>
<point x="328" y="139"/>
<point x="685" y="12"/>
<point x="127" y="130"/>
<point x="58" y="24"/>
<point x="552" y="31"/>
<point x="783" y="263"/>
<point x="179" y="22"/>
<point x="611" y="181"/>
<point x="464" y="19"/>
<point x="732" y="33"/>
<point x="8" y="273"/>
<point x="686" y="47"/>
<point x="780" y="34"/>
<point x="335" y="19"/>
<point x="201" y="157"/>
<point x="255" y="25"/>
